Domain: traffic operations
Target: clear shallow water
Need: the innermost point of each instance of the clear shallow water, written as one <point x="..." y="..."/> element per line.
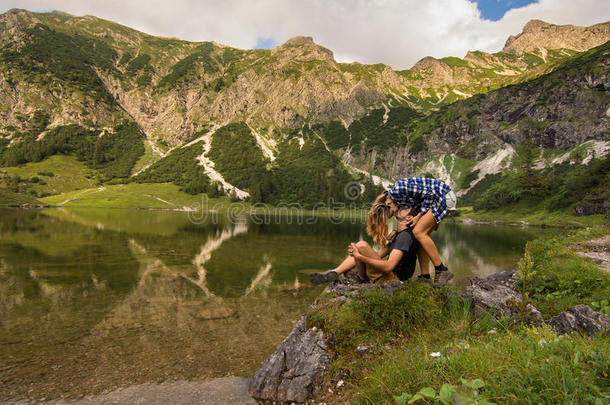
<point x="92" y="300"/>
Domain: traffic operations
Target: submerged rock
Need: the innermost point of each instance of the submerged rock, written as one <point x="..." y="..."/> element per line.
<point x="580" y="318"/>
<point x="295" y="371"/>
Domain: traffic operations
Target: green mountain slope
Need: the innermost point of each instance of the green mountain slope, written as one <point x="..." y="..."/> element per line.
<point x="289" y="124"/>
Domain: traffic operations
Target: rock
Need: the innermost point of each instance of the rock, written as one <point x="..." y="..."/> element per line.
<point x="295" y="371"/>
<point x="363" y="349"/>
<point x="346" y="288"/>
<point x="583" y="210"/>
<point x="495" y="294"/>
<point x="580" y="318"/>
<point x="597" y="250"/>
<point x="506" y="278"/>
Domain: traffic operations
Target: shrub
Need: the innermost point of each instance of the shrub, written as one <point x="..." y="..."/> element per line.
<point x="181" y="167"/>
<point x="498" y="195"/>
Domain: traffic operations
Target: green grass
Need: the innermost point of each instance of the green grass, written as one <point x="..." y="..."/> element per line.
<point x="10" y="199"/>
<point x="148" y="158"/>
<point x="520" y="366"/>
<point x="516" y="363"/>
<point x="132" y="195"/>
<point x="563" y="278"/>
<point x="525" y="214"/>
<point x="68" y="174"/>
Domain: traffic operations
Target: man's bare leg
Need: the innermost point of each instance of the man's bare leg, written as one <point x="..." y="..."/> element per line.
<point x="368" y="251"/>
<point x="331" y="275"/>
<point x="346" y="265"/>
<point x="424" y="261"/>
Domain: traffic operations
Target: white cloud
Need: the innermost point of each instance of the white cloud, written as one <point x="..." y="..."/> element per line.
<point x="395" y="32"/>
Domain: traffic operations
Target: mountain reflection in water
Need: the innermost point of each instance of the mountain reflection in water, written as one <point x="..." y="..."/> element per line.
<point x="92" y="300"/>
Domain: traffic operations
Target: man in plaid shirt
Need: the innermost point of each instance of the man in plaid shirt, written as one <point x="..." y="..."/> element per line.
<point x="435" y="199"/>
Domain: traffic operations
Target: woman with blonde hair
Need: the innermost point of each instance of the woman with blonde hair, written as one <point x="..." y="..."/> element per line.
<point x="399" y="246"/>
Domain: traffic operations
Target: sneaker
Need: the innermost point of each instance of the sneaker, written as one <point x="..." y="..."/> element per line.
<point x="422" y="279"/>
<point x="324" y="277"/>
<point x="442" y="277"/>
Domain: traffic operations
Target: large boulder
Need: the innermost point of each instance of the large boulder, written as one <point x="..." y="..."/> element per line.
<point x="580" y="318"/>
<point x="295" y="371"/>
<point x="495" y="294"/>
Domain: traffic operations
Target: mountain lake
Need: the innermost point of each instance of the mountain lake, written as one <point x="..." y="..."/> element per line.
<point x="93" y="300"/>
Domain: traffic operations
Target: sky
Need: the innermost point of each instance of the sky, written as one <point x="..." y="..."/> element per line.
<point x="394" y="32"/>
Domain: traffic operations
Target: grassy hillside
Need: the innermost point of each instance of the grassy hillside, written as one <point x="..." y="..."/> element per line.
<point x="12" y="199"/>
<point x="132" y="195"/>
<point x="53" y="175"/>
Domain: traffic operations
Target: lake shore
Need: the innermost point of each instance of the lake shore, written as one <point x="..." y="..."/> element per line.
<point x="216" y="391"/>
<point x="156" y="230"/>
<point x="435" y="345"/>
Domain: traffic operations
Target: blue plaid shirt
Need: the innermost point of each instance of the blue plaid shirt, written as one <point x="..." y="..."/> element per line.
<point x="423" y="192"/>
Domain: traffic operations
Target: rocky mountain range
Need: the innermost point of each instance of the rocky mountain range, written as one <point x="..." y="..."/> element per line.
<point x="287" y="104"/>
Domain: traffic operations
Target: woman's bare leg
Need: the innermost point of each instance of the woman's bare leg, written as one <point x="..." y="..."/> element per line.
<point x="424" y="261"/>
<point x="421" y="231"/>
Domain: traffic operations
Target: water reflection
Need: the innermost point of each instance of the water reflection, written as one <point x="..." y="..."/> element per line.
<point x="93" y="300"/>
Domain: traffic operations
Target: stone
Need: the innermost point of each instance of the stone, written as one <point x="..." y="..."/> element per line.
<point x="583" y="210"/>
<point x="295" y="371"/>
<point x="363" y="349"/>
<point x="580" y="318"/>
<point x="495" y="294"/>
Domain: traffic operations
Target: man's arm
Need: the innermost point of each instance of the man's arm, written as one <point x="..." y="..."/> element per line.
<point x="383" y="265"/>
<point x="383" y="252"/>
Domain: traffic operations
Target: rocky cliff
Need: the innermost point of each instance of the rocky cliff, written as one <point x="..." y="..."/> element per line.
<point x="173" y="88"/>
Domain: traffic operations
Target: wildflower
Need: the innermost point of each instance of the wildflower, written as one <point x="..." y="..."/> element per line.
<point x="340" y="384"/>
<point x="435" y="354"/>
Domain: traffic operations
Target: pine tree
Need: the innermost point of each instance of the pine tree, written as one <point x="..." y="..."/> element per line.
<point x="255" y="189"/>
<point x="532" y="183"/>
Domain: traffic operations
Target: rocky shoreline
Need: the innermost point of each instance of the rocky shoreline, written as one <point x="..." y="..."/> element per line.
<point x="297" y="370"/>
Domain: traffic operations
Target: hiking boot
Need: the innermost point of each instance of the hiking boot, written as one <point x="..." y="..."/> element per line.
<point x="424" y="280"/>
<point x="324" y="277"/>
<point x="442" y="277"/>
<point x="353" y="277"/>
